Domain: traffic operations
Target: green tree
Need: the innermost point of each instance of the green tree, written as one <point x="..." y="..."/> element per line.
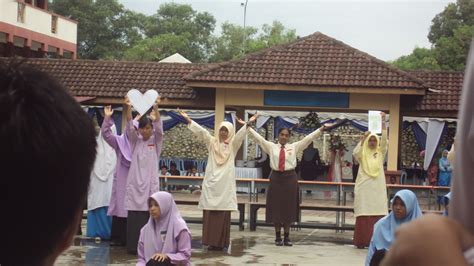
<point x="450" y="33"/>
<point x="158" y="47"/>
<point x="183" y="20"/>
<point x="230" y="44"/>
<point x="420" y="58"/>
<point x="451" y="52"/>
<point x="235" y="41"/>
<point x="105" y="27"/>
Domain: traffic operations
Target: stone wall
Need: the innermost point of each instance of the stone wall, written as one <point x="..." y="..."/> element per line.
<point x="180" y="142"/>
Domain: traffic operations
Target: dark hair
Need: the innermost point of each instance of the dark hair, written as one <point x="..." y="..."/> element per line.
<point x="48" y="149"/>
<point x="164" y="166"/>
<point x="284" y="128"/>
<point x="144" y="121"/>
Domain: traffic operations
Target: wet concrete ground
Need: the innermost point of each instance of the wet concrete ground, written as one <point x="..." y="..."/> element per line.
<point x="311" y="247"/>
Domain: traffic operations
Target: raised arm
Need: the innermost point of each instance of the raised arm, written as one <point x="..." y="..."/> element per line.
<point x="264" y="144"/>
<point x="302" y="144"/>
<point x="201" y="133"/>
<point x="384" y="138"/>
<point x="130" y="130"/>
<point x="106" y="128"/>
<point x="240" y="135"/>
<point x="157" y="126"/>
<point x="183" y="252"/>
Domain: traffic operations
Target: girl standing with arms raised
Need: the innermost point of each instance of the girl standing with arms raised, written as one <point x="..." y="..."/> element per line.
<point x="123" y="152"/>
<point x="218" y="196"/>
<point x="282" y="197"/>
<point x="370" y="192"/>
<point x="143" y="178"/>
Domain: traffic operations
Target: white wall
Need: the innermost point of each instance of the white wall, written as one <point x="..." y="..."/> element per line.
<point x="38" y="20"/>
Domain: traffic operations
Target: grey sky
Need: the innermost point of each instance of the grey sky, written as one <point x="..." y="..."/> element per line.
<point x="384" y="29"/>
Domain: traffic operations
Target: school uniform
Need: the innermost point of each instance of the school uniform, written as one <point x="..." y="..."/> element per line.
<point x="218" y="195"/>
<point x="168" y="235"/>
<point x="384" y="229"/>
<point x="100" y="188"/>
<point x="370" y="191"/>
<point x="117" y="210"/>
<point x="143" y="179"/>
<point x="282" y="205"/>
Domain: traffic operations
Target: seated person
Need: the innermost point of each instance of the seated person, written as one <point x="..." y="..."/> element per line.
<point x="193" y="172"/>
<point x="173" y="170"/>
<point x="164" y="171"/>
<point x="165" y="239"/>
<point x="48" y="149"/>
<point x="405" y="208"/>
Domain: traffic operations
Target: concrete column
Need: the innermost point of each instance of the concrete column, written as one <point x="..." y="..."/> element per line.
<point x="60" y="52"/>
<point x="43" y="50"/>
<point x="10" y="47"/>
<point x="240" y="112"/>
<point x="27" y="48"/>
<point x="394" y="132"/>
<point x="219" y="108"/>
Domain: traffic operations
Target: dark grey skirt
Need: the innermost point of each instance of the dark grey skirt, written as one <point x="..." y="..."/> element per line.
<point x="135" y="221"/>
<point x="282" y="198"/>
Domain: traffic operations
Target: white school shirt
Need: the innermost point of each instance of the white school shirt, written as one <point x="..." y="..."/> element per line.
<point x="291" y="149"/>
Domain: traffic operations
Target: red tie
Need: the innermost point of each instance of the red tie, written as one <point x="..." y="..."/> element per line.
<point x="281" y="162"/>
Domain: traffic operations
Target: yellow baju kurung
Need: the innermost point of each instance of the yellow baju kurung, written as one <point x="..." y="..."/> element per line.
<point x="370" y="202"/>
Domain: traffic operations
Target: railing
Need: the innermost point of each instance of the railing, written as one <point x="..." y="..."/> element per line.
<point x="341" y="188"/>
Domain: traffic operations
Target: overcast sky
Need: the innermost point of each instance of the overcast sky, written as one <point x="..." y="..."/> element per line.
<point x="384" y="29"/>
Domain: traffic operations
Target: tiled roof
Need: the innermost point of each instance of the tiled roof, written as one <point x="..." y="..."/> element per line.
<point x="115" y="78"/>
<point x="315" y="60"/>
<point x="446" y="90"/>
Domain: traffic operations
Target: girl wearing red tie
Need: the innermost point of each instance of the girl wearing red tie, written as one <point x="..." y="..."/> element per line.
<point x="282" y="197"/>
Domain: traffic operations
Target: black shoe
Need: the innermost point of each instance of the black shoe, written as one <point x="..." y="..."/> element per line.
<point x="287" y="242"/>
<point x="279" y="242"/>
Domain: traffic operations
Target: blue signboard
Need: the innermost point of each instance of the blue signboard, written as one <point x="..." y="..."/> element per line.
<point x="306" y="98"/>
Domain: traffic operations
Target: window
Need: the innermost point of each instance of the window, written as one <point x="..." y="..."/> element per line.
<point x="54" y="24"/>
<point x="21" y="13"/>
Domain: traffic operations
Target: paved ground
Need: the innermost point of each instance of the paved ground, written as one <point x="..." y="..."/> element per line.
<point x="311" y="247"/>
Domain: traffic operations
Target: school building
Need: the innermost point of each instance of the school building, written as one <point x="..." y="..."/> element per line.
<point x="28" y="29"/>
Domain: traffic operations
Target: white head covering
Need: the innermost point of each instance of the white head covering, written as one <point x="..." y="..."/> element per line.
<point x="462" y="197"/>
<point x="102" y="174"/>
<point x="220" y="150"/>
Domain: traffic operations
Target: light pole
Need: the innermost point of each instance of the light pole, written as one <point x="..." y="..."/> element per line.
<point x="245" y="19"/>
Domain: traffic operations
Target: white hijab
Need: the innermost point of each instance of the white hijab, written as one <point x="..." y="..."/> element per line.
<point x="221" y="150"/>
<point x="100" y="187"/>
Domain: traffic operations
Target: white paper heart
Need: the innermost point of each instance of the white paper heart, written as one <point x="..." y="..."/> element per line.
<point x="142" y="102"/>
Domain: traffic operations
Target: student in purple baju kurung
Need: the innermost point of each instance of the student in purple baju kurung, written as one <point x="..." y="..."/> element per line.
<point x="143" y="177"/>
<point x="117" y="210"/>
<point x="165" y="239"/>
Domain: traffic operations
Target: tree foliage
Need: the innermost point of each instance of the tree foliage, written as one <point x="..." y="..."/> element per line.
<point x="420" y="58"/>
<point x="450" y="34"/>
<point x="105" y="27"/>
<point x="235" y="41"/>
<point x="107" y="30"/>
